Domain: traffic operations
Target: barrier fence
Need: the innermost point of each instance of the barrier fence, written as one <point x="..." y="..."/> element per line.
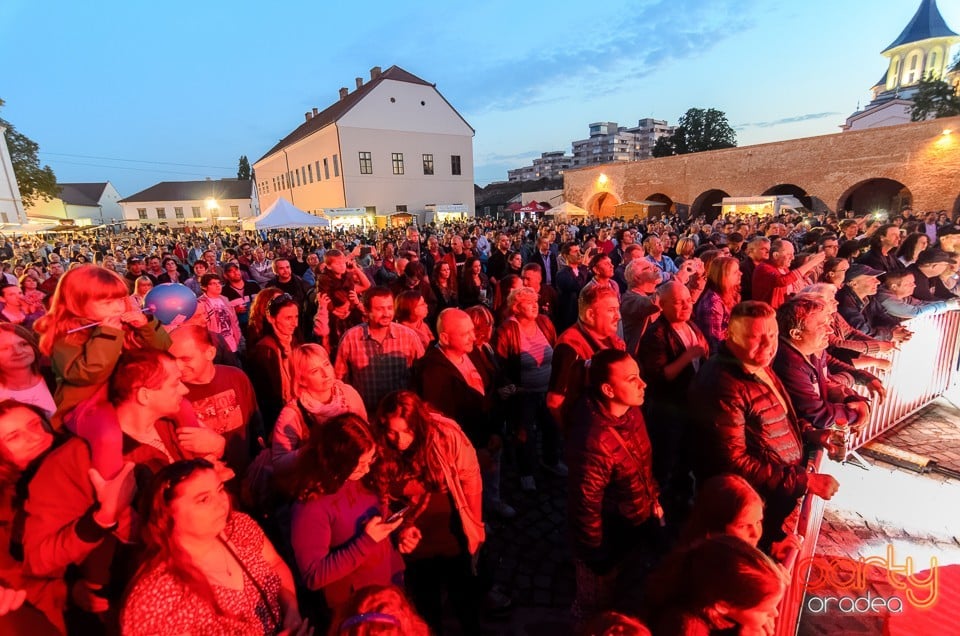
<point x="923" y="369"/>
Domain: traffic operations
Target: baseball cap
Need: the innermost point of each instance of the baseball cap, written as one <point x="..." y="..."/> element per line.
<point x="933" y="255"/>
<point x="857" y="269"/>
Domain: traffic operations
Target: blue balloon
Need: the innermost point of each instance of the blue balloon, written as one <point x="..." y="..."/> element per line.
<point x="171" y="303"/>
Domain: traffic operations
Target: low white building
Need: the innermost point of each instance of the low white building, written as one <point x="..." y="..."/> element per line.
<point x="393" y="145"/>
<point x="179" y="203"/>
<point x="82" y="203"/>
<point x="12" y="214"/>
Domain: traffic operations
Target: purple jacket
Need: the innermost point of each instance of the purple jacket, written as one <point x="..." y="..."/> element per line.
<point x="332" y="551"/>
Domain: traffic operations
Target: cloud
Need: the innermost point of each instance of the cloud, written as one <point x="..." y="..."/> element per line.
<point x="493" y="157"/>
<point x="785" y="120"/>
<point x="638" y="42"/>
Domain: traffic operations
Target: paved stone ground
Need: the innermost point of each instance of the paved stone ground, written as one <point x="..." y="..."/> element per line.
<point x="916" y="515"/>
<point x="534" y="563"/>
<point x="919" y="515"/>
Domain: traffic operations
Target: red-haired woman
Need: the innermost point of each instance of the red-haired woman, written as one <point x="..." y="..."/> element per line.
<point x="411" y="310"/>
<point x="208" y="569"/>
<point x="429" y="464"/>
<point x="83" y="361"/>
<point x="712" y="311"/>
<point x="340" y="538"/>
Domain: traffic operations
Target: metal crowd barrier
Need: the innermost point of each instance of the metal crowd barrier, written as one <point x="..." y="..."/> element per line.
<point x="807" y="527"/>
<point x="923" y="369"/>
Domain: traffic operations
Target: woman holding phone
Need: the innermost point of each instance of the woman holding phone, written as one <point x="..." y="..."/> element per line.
<point x="341" y="540"/>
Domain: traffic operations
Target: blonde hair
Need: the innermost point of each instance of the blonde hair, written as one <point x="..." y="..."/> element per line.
<point x="303" y="359"/>
<point x="75" y="290"/>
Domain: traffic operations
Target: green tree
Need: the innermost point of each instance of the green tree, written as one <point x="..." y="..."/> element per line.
<point x="698" y="130"/>
<point x="664" y="147"/>
<point x="243" y="171"/>
<point x="36" y="183"/>
<point x="935" y="98"/>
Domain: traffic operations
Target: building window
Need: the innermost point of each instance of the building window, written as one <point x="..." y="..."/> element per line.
<point x="398" y="163"/>
<point x="427" y="164"/>
<point x="401" y="208"/>
<point x="455" y="164"/>
<point x="142" y="213"/>
<point x="161" y="213"/>
<point x="235" y="211"/>
<point x="366" y="163"/>
<point x="196" y="211"/>
<point x="310" y="172"/>
<point x="336" y="166"/>
<point x="326" y="168"/>
<point x="303" y="173"/>
<point x="178" y="212"/>
<point x="318" y="169"/>
<point x="297" y="172"/>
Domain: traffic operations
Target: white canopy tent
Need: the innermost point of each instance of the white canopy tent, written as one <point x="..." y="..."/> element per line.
<point x="566" y="209"/>
<point x="283" y="214"/>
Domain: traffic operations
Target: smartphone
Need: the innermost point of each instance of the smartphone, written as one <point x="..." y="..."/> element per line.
<point x="398" y="514"/>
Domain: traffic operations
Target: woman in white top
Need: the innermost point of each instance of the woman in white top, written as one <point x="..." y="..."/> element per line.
<point x="20" y="377"/>
<point x="319" y="396"/>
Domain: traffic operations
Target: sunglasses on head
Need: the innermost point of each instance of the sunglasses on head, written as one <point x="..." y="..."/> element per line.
<point x="178" y="472"/>
<point x="279" y="302"/>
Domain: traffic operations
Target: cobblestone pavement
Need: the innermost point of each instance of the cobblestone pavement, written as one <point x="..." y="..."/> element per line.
<point x="534" y="564"/>
<point x="889" y="510"/>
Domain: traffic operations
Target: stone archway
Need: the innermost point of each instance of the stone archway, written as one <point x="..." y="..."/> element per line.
<point x="792" y="190"/>
<point x="706" y="205"/>
<point x="602" y="204"/>
<point x="664" y="207"/>
<point x="875" y="195"/>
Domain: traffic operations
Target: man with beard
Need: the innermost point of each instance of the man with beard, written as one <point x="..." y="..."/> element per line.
<point x="746" y="425"/>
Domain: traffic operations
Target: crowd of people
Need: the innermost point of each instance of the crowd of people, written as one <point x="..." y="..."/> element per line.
<point x="319" y="446"/>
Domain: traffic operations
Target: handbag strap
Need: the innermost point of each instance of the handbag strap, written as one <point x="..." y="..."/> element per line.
<point x="657" y="510"/>
<point x="228" y="544"/>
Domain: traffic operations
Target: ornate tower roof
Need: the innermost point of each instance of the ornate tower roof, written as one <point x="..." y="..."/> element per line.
<point x="926" y="23"/>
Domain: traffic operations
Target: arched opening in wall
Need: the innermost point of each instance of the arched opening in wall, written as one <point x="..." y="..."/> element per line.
<point x="663" y="205"/>
<point x="707" y="205"/>
<point x="602" y="204"/>
<point x="876" y="195"/>
<point x="791" y="190"/>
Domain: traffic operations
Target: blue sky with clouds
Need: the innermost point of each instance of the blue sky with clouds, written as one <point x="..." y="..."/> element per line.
<point x="179" y="90"/>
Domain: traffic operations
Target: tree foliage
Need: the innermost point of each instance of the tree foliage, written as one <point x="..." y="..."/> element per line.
<point x="935" y="98"/>
<point x="36" y="183"/>
<point x="698" y="130"/>
<point x="243" y="170"/>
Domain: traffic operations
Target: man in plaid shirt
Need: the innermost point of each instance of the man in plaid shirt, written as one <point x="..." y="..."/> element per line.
<point x="375" y="356"/>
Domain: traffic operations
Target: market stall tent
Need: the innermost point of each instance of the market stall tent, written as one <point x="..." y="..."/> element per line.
<point x="283" y="214"/>
<point x="566" y="209"/>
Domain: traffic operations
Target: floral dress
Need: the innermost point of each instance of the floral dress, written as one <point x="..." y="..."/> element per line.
<point x="159" y="604"/>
